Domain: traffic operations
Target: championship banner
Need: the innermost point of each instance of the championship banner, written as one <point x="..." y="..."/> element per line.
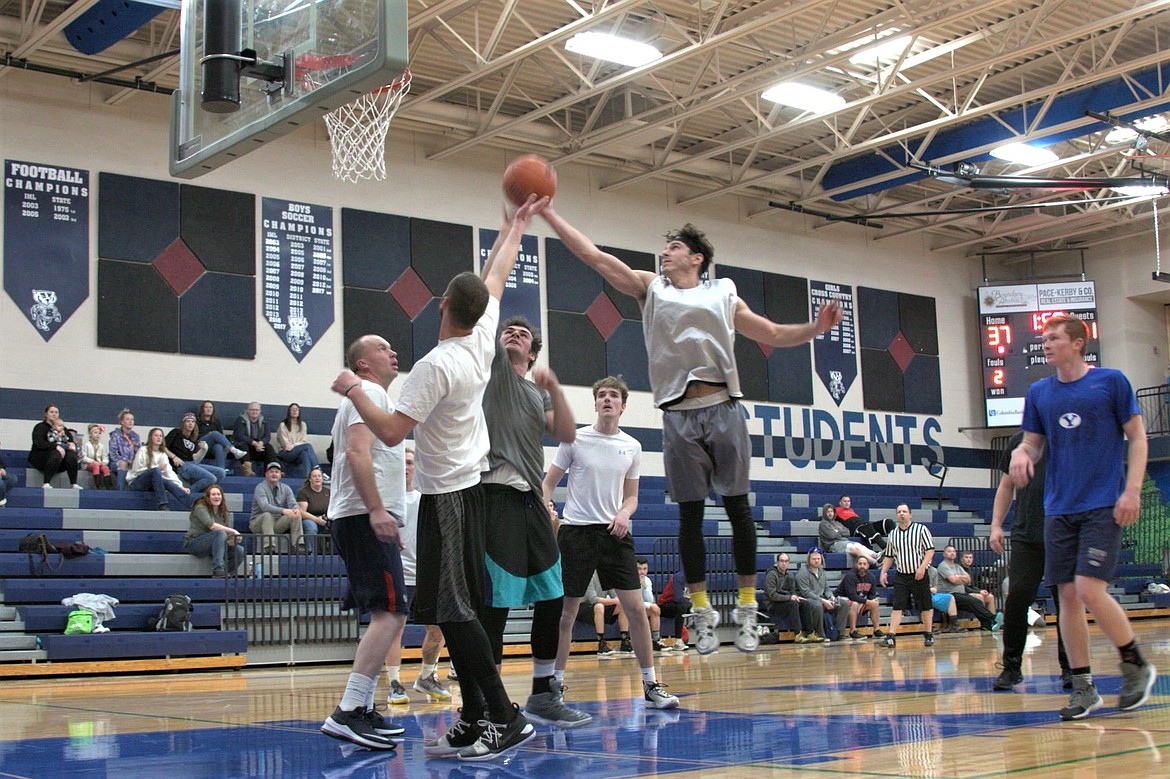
<point x="298" y="272"/>
<point x="835" y="351"/>
<point x="522" y="289"/>
<point x="46" y="242"/>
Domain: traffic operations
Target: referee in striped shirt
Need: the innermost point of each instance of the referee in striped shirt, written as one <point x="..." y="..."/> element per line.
<point x="910" y="548"/>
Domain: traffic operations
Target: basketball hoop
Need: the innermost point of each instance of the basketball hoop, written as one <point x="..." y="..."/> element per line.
<point x="357" y="131"/>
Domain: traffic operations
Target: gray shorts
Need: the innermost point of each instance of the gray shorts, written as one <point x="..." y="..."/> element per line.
<point x="705" y="449"/>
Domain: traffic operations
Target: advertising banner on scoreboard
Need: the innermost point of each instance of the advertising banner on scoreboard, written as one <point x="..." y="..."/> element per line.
<point x="298" y="272"/>
<point x="835" y="351"/>
<point x="522" y="290"/>
<point x="46" y="242"/>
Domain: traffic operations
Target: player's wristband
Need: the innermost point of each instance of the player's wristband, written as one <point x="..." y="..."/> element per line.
<point x="350" y="388"/>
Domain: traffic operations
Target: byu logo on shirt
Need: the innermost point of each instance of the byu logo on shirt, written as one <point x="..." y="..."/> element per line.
<point x="1070" y="420"/>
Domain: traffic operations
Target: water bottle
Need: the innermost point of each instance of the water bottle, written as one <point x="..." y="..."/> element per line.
<point x="258" y="572"/>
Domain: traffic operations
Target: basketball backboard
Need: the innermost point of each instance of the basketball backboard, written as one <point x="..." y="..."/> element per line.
<point x="332" y="50"/>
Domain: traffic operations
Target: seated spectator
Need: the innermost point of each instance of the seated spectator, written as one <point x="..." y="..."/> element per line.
<point x="124" y="444"/>
<point x="967" y="560"/>
<point x="943" y="603"/>
<point x="834" y="537"/>
<point x="151" y="471"/>
<point x="211" y="433"/>
<point x="653" y="613"/>
<point x="275" y="510"/>
<point x="292" y="441"/>
<point x="872" y="533"/>
<point x="812" y="586"/>
<point x="187" y="456"/>
<point x="7" y="482"/>
<point x="211" y="534"/>
<point x="953" y="579"/>
<point x="600" y="607"/>
<point x="95" y="457"/>
<point x="313" y="501"/>
<point x="674" y="604"/>
<point x="780" y="594"/>
<point x="859" y="588"/>
<point x="251" y="434"/>
<point x="53" y="448"/>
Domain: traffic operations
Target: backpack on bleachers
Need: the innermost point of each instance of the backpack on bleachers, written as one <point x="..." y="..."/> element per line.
<point x="38" y="548"/>
<point x="175" y="614"/>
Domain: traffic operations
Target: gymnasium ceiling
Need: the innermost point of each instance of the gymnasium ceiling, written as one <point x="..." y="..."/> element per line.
<point x="972" y="75"/>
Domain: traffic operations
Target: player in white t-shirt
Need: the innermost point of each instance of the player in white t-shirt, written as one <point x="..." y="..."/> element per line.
<point x="603" y="466"/>
<point x="442" y="403"/>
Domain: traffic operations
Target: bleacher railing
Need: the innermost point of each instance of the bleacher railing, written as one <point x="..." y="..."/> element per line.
<point x="722" y="586"/>
<point x="991" y="568"/>
<point x="1149" y="537"/>
<point x="1154" y="403"/>
<point x="285" y="597"/>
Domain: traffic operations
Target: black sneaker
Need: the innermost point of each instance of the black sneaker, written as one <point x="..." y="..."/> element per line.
<point x="498" y="738"/>
<point x="626" y="647"/>
<point x="355" y="727"/>
<point x="460" y="735"/>
<point x="604" y="649"/>
<point x="1009" y="677"/>
<point x="928" y="639"/>
<point x="855" y="636"/>
<point x="878" y="633"/>
<point x="381" y="726"/>
<point x="658" y="646"/>
<point x="888" y="640"/>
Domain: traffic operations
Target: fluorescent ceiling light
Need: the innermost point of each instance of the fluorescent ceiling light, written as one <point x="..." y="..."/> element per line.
<point x="1142" y="190"/>
<point x="804" y="97"/>
<point x="884" y="52"/>
<point x="1024" y="154"/>
<point x="612" y="48"/>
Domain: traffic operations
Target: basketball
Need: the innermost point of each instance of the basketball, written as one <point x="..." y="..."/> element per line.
<point x="529" y="175"/>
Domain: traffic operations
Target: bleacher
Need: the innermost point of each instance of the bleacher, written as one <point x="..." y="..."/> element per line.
<point x="292" y="613"/>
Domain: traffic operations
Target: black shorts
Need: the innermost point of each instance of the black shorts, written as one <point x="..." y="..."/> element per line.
<point x="374" y="569"/>
<point x="589" y="548"/>
<point x="524" y="564"/>
<point x="585" y="614"/>
<point x="449" y="550"/>
<point x="907" y="589"/>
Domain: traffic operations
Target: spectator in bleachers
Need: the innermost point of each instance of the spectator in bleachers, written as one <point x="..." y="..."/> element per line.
<point x="954" y="579"/>
<point x="911" y="548"/>
<point x="313" y="501"/>
<point x="860" y="590"/>
<point x="600" y="608"/>
<point x="151" y="471"/>
<point x="187" y="453"/>
<point x="967" y="561"/>
<point x="251" y="434"/>
<point x="211" y="433"/>
<point x="944" y="604"/>
<point x="780" y="593"/>
<point x="124" y="444"/>
<point x="834" y="537"/>
<point x="275" y="510"/>
<point x="812" y="585"/>
<point x="872" y="533"/>
<point x="674" y="603"/>
<point x="53" y="448"/>
<point x="95" y="456"/>
<point x="7" y="482"/>
<point x="292" y="441"/>
<point x="211" y="534"/>
<point x="653" y="612"/>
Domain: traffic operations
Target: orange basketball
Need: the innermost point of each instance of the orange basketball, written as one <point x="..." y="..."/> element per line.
<point x="529" y="175"/>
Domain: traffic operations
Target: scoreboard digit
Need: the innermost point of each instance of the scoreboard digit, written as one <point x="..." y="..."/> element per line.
<point x="1011" y="321"/>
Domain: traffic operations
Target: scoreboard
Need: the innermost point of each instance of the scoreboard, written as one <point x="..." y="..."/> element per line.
<point x="1011" y="322"/>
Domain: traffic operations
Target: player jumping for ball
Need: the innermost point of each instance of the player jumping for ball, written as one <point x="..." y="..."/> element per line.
<point x="689" y="322"/>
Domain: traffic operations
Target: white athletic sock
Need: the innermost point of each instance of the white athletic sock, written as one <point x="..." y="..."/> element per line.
<point x="427" y="670"/>
<point x="560" y="675"/>
<point x="542" y="669"/>
<point x="649" y="676"/>
<point x="392" y="672"/>
<point x="357" y="690"/>
<point x="373" y="691"/>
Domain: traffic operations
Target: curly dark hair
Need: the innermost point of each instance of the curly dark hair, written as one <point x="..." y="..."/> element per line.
<point x="537" y="341"/>
<point x="696" y="241"/>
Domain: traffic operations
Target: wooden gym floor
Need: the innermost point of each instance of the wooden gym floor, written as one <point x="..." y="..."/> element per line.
<point x="844" y="710"/>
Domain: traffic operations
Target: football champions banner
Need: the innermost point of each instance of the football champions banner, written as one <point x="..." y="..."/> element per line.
<point x="835" y="351"/>
<point x="46" y="242"/>
<point x="298" y="272"/>
<point x="522" y="289"/>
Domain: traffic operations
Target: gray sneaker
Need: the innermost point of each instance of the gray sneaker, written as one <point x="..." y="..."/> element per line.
<point x="705" y="621"/>
<point x="1136" y="683"/>
<point x="548" y="708"/>
<point x="747" y="638"/>
<point x="657" y="697"/>
<point x="1083" y="702"/>
<point x="432" y="687"/>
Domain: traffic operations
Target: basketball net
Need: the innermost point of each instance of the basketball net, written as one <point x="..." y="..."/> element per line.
<point x="357" y="131"/>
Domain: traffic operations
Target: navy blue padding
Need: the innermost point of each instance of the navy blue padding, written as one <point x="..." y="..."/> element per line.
<point x="627" y="305"/>
<point x="878" y="318"/>
<point x="219" y="227"/>
<point x="916" y="317"/>
<point x="108" y="22"/>
<point x="136" y="308"/>
<point x="28" y="519"/>
<point x="753" y="369"/>
<point x="146" y="644"/>
<point x="572" y="285"/>
<point x="141" y="542"/>
<point x="579" y="359"/>
<point x="376" y="248"/>
<point x="790" y="376"/>
<point x="137" y="218"/>
<point x="785" y="299"/>
<point x="749" y="285"/>
<point x="152" y="589"/>
<point x="882" y="381"/>
<point x="217" y="317"/>
<point x="625" y="355"/>
<point x="923" y="385"/>
<point x="133" y="616"/>
<point x="13" y="564"/>
<point x="366" y="311"/>
<point x="439" y="251"/>
<point x="425" y="331"/>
